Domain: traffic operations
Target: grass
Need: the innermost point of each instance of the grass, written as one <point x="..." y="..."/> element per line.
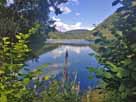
<point x="96" y="95"/>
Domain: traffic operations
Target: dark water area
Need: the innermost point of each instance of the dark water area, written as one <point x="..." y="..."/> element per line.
<point x="78" y="62"/>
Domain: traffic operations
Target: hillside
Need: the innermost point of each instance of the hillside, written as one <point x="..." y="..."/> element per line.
<point x="73" y="34"/>
<point x="105" y="28"/>
<point x="78" y="31"/>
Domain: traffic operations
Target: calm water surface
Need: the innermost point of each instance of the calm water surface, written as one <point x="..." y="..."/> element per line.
<point x="78" y="62"/>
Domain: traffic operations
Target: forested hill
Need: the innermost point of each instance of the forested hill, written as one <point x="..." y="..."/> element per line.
<point x="105" y="27"/>
<point x="108" y="27"/>
<point x="78" y="31"/>
<point x="73" y="34"/>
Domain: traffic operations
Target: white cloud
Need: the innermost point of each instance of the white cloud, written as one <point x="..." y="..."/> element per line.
<point x="63" y="27"/>
<point x="51" y="9"/>
<point x="77" y="14"/>
<point x="65" y="9"/>
<point x="56" y="19"/>
<point x="61" y="51"/>
<point x="75" y="1"/>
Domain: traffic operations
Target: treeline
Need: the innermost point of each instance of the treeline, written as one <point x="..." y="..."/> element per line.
<point x="75" y="34"/>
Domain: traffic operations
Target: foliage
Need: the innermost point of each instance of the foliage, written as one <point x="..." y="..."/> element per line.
<point x="13" y="81"/>
<point x="118" y="55"/>
<point x="104" y="28"/>
<point x="21" y="15"/>
<point x="12" y="57"/>
<point x="55" y="93"/>
<point x="14" y="84"/>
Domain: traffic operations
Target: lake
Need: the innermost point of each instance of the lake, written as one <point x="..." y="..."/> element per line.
<point x="69" y="41"/>
<point x="78" y="62"/>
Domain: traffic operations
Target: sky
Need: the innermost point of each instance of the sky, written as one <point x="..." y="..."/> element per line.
<point x="82" y="14"/>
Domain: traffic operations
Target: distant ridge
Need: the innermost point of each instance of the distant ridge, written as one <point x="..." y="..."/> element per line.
<point x="77" y="31"/>
<point x="104" y="28"/>
<point x="73" y="34"/>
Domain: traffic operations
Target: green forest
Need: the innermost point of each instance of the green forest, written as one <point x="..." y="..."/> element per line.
<point x="24" y="28"/>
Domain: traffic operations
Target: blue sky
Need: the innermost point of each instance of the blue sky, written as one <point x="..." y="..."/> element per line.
<point x="83" y="13"/>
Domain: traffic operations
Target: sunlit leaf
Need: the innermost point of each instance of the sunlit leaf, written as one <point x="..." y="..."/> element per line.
<point x="3" y="98"/>
<point x="107" y="75"/>
<point x="42" y="66"/>
<point x="46" y="77"/>
<point x="26" y="81"/>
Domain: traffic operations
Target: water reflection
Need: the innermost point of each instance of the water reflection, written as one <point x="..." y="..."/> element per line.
<point x="77" y="62"/>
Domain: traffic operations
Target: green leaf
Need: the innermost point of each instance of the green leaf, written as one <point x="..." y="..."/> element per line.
<point x="1" y="72"/>
<point x="121" y="73"/>
<point x="107" y="75"/>
<point x="26" y="36"/>
<point x="123" y="95"/>
<point x="3" y="98"/>
<point x="91" y="77"/>
<point x="26" y="81"/>
<point x="5" y="38"/>
<point x="99" y="72"/>
<point x="121" y="88"/>
<point x="18" y="36"/>
<point x="42" y="66"/>
<point x="46" y="77"/>
<point x="113" y="67"/>
<point x="92" y="70"/>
